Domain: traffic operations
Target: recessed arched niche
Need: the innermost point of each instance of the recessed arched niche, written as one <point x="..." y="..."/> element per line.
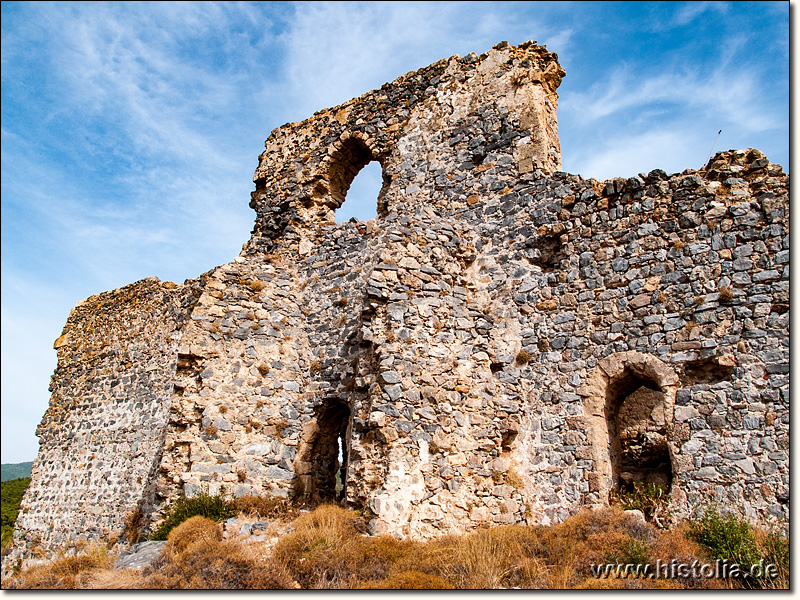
<point x="637" y="433"/>
<point x="629" y="400"/>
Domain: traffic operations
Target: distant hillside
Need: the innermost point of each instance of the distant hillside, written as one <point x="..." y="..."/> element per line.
<point x="12" y="492"/>
<point x="16" y="470"/>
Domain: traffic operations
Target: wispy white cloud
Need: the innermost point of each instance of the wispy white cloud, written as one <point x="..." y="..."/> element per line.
<point x="559" y="41"/>
<point x="27" y="365"/>
<point x="128" y="68"/>
<point x="131" y="130"/>
<point x="164" y="119"/>
<point x="631" y="153"/>
<point x="148" y="177"/>
<point x="689" y="11"/>
<point x="730" y="95"/>
<point x="336" y="51"/>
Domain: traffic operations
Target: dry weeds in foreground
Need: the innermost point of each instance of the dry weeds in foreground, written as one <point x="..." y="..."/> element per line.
<point x="326" y="550"/>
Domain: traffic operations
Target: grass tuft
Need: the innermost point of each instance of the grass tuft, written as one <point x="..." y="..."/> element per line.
<point x="523" y="358"/>
<point x="725" y="295"/>
<point x="63" y="573"/>
<point x="195" y="530"/>
<point x="732" y="538"/>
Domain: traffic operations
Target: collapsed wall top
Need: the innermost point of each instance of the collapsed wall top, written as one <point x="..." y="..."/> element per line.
<point x="306" y="169"/>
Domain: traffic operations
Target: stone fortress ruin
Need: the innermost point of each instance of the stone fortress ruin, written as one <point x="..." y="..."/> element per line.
<point x="504" y="343"/>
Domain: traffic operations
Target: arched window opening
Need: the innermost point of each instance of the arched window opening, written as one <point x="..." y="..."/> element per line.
<point x="354" y="175"/>
<point x="637" y="428"/>
<point x="361" y="199"/>
<point x="321" y="463"/>
<point x="341" y="471"/>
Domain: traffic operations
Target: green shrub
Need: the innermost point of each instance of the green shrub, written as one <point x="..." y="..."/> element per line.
<point x="724" y="536"/>
<point x="731" y="537"/>
<point x="631" y="552"/>
<point x="217" y="508"/>
<point x="775" y="549"/>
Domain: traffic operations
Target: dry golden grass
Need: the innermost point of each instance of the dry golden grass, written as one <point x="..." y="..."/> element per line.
<point x="674" y="543"/>
<point x="127" y="579"/>
<point x="726" y="295"/>
<point x="63" y="573"/>
<point x="775" y="549"/>
<point x="627" y="583"/>
<point x="488" y="558"/>
<point x="217" y="565"/>
<point x="195" y="533"/>
<point x="257" y="285"/>
<point x="196" y="557"/>
<point x="324" y="549"/>
<point x="265" y="507"/>
<point x="409" y="580"/>
<point x="133" y="524"/>
<point x="327" y="549"/>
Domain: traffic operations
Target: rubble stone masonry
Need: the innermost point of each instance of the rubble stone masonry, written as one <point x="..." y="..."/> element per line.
<point x="504" y="343"/>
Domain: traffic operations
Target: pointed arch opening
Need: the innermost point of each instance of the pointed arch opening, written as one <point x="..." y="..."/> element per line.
<point x="355" y="175"/>
<point x="361" y="201"/>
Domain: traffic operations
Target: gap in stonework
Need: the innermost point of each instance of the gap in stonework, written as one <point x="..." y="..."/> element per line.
<point x="361" y="200"/>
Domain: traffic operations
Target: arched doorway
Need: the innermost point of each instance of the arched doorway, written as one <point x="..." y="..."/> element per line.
<point x="628" y="401"/>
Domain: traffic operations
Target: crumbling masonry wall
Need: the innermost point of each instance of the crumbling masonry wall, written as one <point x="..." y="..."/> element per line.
<point x="102" y="435"/>
<point x="505" y="343"/>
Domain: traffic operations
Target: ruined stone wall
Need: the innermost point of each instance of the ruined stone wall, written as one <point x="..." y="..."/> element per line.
<point x="104" y="430"/>
<point x="504" y="99"/>
<point x="505" y="343"/>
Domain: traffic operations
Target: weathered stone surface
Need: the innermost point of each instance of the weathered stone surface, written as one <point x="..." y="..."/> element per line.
<point x="467" y="356"/>
<point x="140" y="555"/>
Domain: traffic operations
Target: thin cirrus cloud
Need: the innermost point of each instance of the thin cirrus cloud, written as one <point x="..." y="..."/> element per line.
<point x="689" y="11"/>
<point x="135" y="76"/>
<point x="338" y="51"/>
<point x="164" y="119"/>
<point x="733" y="96"/>
<point x="629" y="155"/>
<point x="669" y="119"/>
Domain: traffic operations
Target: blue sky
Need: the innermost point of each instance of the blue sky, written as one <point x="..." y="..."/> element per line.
<point x="130" y="132"/>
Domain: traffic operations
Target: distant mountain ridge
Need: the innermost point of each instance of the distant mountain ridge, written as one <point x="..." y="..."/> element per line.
<point x="11" y="471"/>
